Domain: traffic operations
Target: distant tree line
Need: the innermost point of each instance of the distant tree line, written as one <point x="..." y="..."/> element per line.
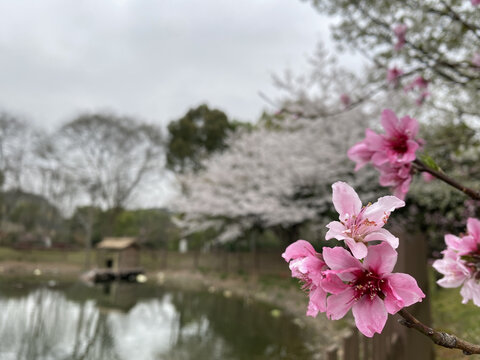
<point x="79" y="183"/>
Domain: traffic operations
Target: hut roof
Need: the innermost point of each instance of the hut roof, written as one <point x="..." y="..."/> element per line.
<point x="118" y="243"/>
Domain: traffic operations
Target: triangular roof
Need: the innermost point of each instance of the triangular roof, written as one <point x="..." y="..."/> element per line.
<point x="116" y="243"/>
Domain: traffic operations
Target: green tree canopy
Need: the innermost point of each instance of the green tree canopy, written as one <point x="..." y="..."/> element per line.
<point x="197" y="134"/>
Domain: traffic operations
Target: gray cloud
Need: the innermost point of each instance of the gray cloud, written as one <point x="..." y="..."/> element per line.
<point x="148" y="58"/>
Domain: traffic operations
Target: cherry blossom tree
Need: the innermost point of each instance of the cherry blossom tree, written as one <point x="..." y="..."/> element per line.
<point x="272" y="177"/>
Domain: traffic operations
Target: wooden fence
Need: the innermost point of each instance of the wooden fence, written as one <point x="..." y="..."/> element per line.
<point x="219" y="261"/>
<point x="396" y="342"/>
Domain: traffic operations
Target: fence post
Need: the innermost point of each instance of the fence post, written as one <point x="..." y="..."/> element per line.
<point x="350" y="346"/>
<point x="331" y="353"/>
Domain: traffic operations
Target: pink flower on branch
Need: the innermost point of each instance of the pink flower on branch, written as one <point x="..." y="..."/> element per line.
<point x="460" y="264"/>
<point x="475" y="2"/>
<point x="359" y="225"/>
<point x="345" y="100"/>
<point x="400" y="31"/>
<point x="370" y="288"/>
<point x="418" y="83"/>
<point x="393" y="75"/>
<point x="308" y="266"/>
<point x="391" y="153"/>
<point x="397" y="146"/>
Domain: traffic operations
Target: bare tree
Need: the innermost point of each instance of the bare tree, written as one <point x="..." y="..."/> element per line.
<point x="106" y="160"/>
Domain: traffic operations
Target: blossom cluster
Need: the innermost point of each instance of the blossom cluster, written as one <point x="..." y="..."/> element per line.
<point x="460" y="264"/>
<point x="391" y="153"/>
<point x="393" y="74"/>
<point x="361" y="279"/>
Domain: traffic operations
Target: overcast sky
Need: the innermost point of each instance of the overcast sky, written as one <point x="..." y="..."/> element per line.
<point x="149" y="58"/>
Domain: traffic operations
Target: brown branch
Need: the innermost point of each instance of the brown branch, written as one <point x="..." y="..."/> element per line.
<point x="419" y="165"/>
<point x="438" y="337"/>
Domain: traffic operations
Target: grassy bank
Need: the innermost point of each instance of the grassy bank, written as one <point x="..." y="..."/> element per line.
<point x="450" y="315"/>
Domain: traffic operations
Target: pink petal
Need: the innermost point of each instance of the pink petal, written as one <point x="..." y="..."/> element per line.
<point x="462" y="245"/>
<point x="317" y="303"/>
<point x="455" y="273"/>
<point x="404" y="287"/>
<point x="380" y="158"/>
<point x="358" y="249"/>
<point x="473" y="227"/>
<point x="409" y="155"/>
<point x="310" y="265"/>
<point x="345" y="199"/>
<point x="380" y="211"/>
<point x="381" y="259"/>
<point x="469" y="291"/>
<point x="332" y="283"/>
<point x="339" y="304"/>
<point x="382" y="235"/>
<point x="409" y="126"/>
<point x="389" y="122"/>
<point x="336" y="230"/>
<point x="374" y="141"/>
<point x="360" y="154"/>
<point x="299" y="248"/>
<point x="338" y="258"/>
<point x="370" y="315"/>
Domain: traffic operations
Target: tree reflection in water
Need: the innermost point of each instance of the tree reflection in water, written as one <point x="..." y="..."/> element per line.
<point x="141" y="322"/>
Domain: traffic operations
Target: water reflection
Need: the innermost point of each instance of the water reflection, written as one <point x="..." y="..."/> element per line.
<point x="131" y="321"/>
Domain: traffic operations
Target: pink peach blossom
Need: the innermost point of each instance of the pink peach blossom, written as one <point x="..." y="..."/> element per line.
<point x="400" y="31"/>
<point x="475" y="2"/>
<point x="393" y="74"/>
<point x="418" y="83"/>
<point x="397" y="146"/>
<point x="460" y="264"/>
<point x="345" y="100"/>
<point x="359" y="225"/>
<point x="370" y="288"/>
<point x="308" y="266"/>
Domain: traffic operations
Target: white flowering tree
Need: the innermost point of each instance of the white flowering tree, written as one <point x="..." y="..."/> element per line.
<point x="275" y="178"/>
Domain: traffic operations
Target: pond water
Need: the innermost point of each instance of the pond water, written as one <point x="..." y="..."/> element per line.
<point x="71" y="321"/>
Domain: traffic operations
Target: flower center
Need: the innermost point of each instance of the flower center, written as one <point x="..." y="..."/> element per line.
<point x="399" y="144"/>
<point x="368" y="284"/>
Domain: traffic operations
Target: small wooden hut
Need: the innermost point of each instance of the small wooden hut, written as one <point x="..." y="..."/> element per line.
<point x="117" y="258"/>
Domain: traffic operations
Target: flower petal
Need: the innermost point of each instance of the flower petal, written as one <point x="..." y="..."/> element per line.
<point x="462" y="245"/>
<point x="403" y="287"/>
<point x="317" y="303"/>
<point x="336" y="230"/>
<point x="339" y="304"/>
<point x="345" y="199"/>
<point x="380" y="210"/>
<point x="338" y="258"/>
<point x="358" y="249"/>
<point x="469" y="291"/>
<point x="381" y="259"/>
<point x="390" y="122"/>
<point x="409" y="126"/>
<point x="332" y="283"/>
<point x="360" y="154"/>
<point x="382" y="235"/>
<point x="473" y="227"/>
<point x="299" y="248"/>
<point x="370" y="315"/>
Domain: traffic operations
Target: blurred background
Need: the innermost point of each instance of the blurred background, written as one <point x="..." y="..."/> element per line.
<point x="182" y="146"/>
